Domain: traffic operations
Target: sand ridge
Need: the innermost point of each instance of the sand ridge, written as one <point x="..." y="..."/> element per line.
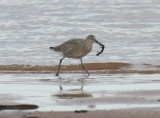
<point x="103" y="68"/>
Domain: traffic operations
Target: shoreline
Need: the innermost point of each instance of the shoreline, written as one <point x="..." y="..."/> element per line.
<point x="120" y="113"/>
<point x="142" y="103"/>
<point x="141" y="98"/>
<point x="98" y="68"/>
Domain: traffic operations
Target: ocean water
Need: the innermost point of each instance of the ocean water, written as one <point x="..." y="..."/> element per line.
<point x="129" y="29"/>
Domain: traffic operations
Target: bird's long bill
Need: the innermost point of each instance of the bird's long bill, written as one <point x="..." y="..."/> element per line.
<point x="102" y="46"/>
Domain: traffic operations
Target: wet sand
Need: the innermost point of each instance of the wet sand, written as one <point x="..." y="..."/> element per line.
<point x="89" y="66"/>
<point x="103" y="68"/>
<point x="114" y="90"/>
<point x="122" y="113"/>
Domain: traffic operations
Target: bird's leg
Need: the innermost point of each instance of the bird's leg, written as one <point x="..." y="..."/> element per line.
<point x="59" y="66"/>
<point x="84" y="67"/>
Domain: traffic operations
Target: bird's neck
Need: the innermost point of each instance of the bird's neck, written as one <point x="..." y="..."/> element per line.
<point x="89" y="42"/>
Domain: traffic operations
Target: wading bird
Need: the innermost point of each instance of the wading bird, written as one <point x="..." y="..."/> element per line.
<point x="77" y="49"/>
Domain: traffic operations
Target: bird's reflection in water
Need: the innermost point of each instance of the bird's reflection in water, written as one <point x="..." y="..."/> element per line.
<point x="79" y="81"/>
<point x="71" y="91"/>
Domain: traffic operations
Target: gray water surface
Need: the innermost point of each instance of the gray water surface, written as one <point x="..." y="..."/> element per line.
<point x="129" y="29"/>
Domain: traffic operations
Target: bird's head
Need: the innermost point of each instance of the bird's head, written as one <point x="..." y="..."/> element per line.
<point x="92" y="37"/>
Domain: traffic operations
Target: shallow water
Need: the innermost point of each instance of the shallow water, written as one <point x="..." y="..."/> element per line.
<point x="99" y="92"/>
<point x="128" y="29"/>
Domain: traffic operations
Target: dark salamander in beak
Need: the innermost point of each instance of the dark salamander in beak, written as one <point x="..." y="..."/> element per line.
<point x="101" y="46"/>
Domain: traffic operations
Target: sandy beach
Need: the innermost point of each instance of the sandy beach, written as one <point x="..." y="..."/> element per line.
<point x="125" y="91"/>
<point x="99" y="68"/>
<point x="122" y="113"/>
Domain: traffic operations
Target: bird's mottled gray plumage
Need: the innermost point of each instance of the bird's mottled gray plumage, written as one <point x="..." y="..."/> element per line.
<point x="76" y="48"/>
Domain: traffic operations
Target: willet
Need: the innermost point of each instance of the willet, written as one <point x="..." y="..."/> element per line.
<point x="77" y="49"/>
